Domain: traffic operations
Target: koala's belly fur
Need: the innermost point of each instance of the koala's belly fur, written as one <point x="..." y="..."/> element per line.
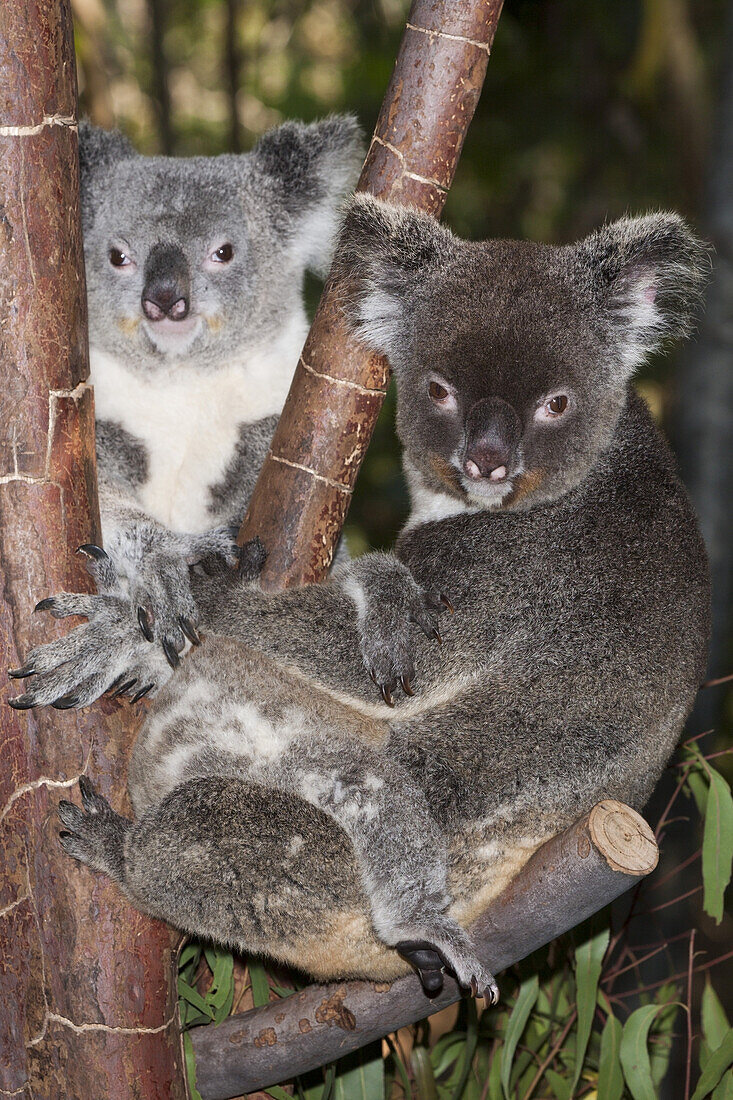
<point x="189" y="420"/>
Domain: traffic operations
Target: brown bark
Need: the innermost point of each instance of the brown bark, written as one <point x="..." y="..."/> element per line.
<point x="303" y="493"/>
<point x="566" y="880"/>
<point x="87" y="997"/>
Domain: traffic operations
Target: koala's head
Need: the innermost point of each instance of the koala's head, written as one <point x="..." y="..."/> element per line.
<point x="201" y="257"/>
<point x="513" y="359"/>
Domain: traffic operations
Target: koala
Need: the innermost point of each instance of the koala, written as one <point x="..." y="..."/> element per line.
<point x="278" y="806"/>
<point x="196" y="321"/>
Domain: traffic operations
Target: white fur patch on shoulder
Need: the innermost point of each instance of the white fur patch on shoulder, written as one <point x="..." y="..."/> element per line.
<point x="189" y="419"/>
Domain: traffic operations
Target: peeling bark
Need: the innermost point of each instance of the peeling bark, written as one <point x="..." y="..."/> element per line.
<point x="87" y="996"/>
<point x="304" y="490"/>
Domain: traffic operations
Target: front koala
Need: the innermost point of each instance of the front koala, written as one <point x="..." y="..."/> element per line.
<point x="548" y="508"/>
<point x="195" y="273"/>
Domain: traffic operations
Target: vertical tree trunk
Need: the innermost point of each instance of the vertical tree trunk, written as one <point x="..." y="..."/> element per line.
<point x="232" y="68"/>
<point x="87" y="997"/>
<point x="157" y="11"/>
<point x="304" y="490"/>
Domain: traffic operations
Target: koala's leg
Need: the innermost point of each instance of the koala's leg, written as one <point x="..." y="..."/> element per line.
<point x="243" y="865"/>
<point x="400" y="849"/>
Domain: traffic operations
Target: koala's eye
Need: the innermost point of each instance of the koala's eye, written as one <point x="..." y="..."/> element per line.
<point x="223" y="255"/>
<point x="437" y="392"/>
<point x="556" y="406"/>
<point x="118" y="259"/>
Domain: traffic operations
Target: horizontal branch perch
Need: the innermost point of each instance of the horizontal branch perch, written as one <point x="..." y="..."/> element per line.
<point x="568" y="879"/>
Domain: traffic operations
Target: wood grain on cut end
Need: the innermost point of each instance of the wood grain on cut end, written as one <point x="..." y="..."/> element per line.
<point x="623" y="837"/>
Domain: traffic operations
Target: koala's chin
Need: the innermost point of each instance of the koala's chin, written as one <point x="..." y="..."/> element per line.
<point x="172" y="338"/>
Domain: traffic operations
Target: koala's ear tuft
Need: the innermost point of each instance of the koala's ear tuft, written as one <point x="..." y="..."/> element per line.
<point x="98" y="150"/>
<point x="383" y="257"/>
<point x="315" y="165"/>
<point x="648" y="276"/>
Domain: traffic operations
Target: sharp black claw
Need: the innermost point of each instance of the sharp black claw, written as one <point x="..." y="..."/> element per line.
<point x="435" y="633"/>
<point x="473" y="986"/>
<point x="22" y="702"/>
<point x="63" y="833"/>
<point x="21" y="673"/>
<point x="86" y="787"/>
<point x="491" y="995"/>
<point x="386" y="695"/>
<point x="144" y="624"/>
<point x="406" y="685"/>
<point x="123" y="688"/>
<point x="90" y="550"/>
<point x="372" y="675"/>
<point x="44" y="605"/>
<point x="171" y="654"/>
<point x="446" y="602"/>
<point x="143" y="691"/>
<point x="65" y="702"/>
<point x="115" y="684"/>
<point x="189" y="630"/>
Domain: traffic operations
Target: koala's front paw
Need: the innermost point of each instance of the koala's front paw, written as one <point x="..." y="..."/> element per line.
<point x="94" y="835"/>
<point x="390" y="607"/>
<point x="160" y="586"/>
<point x="107" y="653"/>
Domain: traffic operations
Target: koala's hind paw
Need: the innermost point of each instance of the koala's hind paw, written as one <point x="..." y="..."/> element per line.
<point x="94" y="834"/>
<point x="447" y="946"/>
<point x="388" y="639"/>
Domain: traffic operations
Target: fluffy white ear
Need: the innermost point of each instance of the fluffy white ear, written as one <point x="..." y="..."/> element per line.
<point x="316" y="166"/>
<point x="647" y="277"/>
<point x="383" y="257"/>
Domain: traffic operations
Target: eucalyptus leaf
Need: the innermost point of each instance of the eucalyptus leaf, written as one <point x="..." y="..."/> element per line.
<point x="588" y="964"/>
<point x="724" y="1088"/>
<point x="610" y="1074"/>
<point x="361" y="1077"/>
<point x="260" y="984"/>
<point x="717" y="845"/>
<point x="422" y="1069"/>
<point x="190" y="1059"/>
<point x="526" y="997"/>
<point x="634" y="1053"/>
<point x="193" y="997"/>
<point x="718" y="1062"/>
<point x="714" y="1020"/>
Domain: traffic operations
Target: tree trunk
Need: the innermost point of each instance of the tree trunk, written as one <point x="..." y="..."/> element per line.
<point x="160" y="91"/>
<point x="568" y="879"/>
<point x="87" y="996"/>
<point x="304" y="490"/>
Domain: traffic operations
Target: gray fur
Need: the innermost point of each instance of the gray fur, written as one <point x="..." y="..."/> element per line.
<point x="187" y="405"/>
<point x="566" y="673"/>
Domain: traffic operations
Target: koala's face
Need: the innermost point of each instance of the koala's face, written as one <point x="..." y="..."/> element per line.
<point x="512" y="359"/>
<point x="198" y="259"/>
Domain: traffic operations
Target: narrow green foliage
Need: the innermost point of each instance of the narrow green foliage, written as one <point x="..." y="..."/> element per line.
<point x="277" y="1093"/>
<point x="260" y="984"/>
<point x="470" y="1047"/>
<point x="559" y="1084"/>
<point x="719" y="1061"/>
<point x="610" y="1074"/>
<point x="422" y="1069"/>
<point x="193" y="997"/>
<point x="220" y="995"/>
<point x="714" y="1023"/>
<point x="634" y="1053"/>
<point x="717" y="845"/>
<point x="588" y="964"/>
<point x="724" y="1088"/>
<point x="190" y="1059"/>
<point x="361" y="1076"/>
<point x="525" y="1002"/>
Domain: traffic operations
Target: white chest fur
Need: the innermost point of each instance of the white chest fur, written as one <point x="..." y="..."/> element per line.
<point x="189" y="420"/>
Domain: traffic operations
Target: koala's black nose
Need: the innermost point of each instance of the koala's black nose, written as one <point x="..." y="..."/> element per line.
<point x="493" y="431"/>
<point x="167" y="286"/>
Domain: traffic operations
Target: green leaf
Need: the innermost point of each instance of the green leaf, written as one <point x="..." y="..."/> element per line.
<point x="362" y="1076"/>
<point x="634" y="1054"/>
<point x="526" y="998"/>
<point x="446" y="1051"/>
<point x="714" y="1020"/>
<point x="718" y="1062"/>
<point x="278" y="1093"/>
<point x="220" y="995"/>
<point x="610" y="1075"/>
<point x="399" y="1066"/>
<point x="560" y="1085"/>
<point x="588" y="964"/>
<point x="724" y="1088"/>
<point x="260" y="984"/>
<point x="698" y="788"/>
<point x="190" y="1058"/>
<point x="193" y="997"/>
<point x="422" y="1069"/>
<point x="470" y="1047"/>
<point x="717" y="845"/>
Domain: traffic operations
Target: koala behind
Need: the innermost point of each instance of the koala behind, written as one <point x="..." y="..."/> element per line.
<point x="196" y="320"/>
<point x="548" y="507"/>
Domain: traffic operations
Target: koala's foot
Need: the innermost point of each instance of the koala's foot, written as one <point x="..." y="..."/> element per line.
<point x="390" y="606"/>
<point x="94" y="834"/>
<point x="447" y="946"/>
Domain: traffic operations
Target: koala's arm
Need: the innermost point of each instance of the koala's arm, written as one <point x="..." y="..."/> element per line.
<point x="371" y="614"/>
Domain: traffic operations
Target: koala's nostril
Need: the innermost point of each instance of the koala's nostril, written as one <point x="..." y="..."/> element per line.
<point x="498" y="474"/>
<point x="152" y="310"/>
<point x="471" y="469"/>
<point x="179" y="310"/>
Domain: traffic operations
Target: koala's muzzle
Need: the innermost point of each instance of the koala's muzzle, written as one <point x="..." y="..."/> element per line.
<point x="493" y="432"/>
<point x="167" y="287"/>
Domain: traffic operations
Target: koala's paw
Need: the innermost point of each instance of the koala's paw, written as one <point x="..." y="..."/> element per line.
<point x="94" y="834"/>
<point x="106" y="654"/>
<point x="388" y="637"/>
<point x="442" y="944"/>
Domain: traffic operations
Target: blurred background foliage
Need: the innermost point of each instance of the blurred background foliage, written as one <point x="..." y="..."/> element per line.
<point x="590" y="109"/>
